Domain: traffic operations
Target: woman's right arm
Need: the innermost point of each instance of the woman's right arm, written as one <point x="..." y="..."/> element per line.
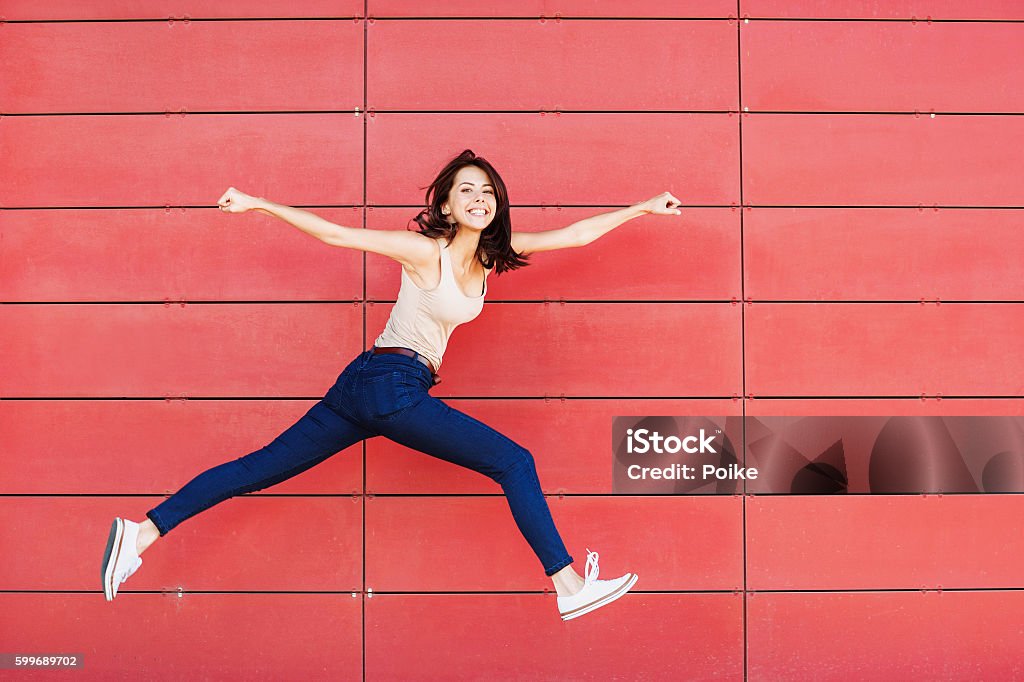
<point x="408" y="248"/>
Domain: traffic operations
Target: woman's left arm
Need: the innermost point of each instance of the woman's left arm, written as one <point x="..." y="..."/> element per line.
<point x="587" y="230"/>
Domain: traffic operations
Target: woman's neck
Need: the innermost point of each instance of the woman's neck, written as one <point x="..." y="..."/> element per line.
<point x="463" y="247"/>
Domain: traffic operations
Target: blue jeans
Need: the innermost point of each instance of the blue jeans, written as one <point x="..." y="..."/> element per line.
<point x="381" y="395"/>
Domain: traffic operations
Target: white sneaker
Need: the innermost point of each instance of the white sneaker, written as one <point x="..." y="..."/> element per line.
<point x="595" y="593"/>
<point x="120" y="559"/>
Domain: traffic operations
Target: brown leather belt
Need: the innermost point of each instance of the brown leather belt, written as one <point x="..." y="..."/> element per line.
<point x="409" y="353"/>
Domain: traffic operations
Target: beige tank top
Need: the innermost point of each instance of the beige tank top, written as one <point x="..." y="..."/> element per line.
<point x="423" y="319"/>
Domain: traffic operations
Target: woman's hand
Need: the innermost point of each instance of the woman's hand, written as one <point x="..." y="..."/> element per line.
<point x="663" y="204"/>
<point x="234" y="201"/>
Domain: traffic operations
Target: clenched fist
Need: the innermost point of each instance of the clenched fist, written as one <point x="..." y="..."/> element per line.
<point x="663" y="204"/>
<point x="234" y="201"/>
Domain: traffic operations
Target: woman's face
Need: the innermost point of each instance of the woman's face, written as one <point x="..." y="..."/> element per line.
<point x="471" y="200"/>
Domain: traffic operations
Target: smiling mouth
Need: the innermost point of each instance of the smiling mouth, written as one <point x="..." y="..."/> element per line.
<point x="478" y="212"/>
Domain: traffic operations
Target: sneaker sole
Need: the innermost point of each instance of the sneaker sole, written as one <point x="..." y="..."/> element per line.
<point x="110" y="555"/>
<point x="603" y="601"/>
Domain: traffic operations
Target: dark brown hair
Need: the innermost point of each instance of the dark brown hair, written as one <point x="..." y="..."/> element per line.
<point x="495" y="248"/>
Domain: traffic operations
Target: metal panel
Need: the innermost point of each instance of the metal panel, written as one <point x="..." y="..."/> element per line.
<point x="520" y="637"/>
<point x="589" y="65"/>
<point x="879" y="349"/>
<point x="846" y="254"/>
<point x="601" y="158"/>
<point x="29" y="10"/>
<point x="571" y="441"/>
<point x="591" y="350"/>
<point x="151" y="160"/>
<point x="247" y="543"/>
<point x="137" y="66"/>
<point x="828" y="160"/>
<point x="657" y="246"/>
<point x="179" y="254"/>
<point x="928" y="541"/>
<point x="552" y="8"/>
<point x="885" y="636"/>
<point x="200" y="636"/>
<point x="882" y="66"/>
<point x="121" y="350"/>
<point x="122" y="447"/>
<point x="883" y="9"/>
<point x="477" y="535"/>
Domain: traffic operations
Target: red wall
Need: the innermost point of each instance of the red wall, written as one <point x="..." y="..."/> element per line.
<point x="850" y="244"/>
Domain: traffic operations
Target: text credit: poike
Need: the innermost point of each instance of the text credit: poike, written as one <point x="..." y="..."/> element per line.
<point x="643" y="441"/>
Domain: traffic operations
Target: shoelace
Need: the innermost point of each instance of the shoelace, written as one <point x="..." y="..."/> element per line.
<point x="589" y="575"/>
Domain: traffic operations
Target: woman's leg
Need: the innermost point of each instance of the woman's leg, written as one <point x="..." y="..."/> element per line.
<point x="148" y="534"/>
<point x="433" y="427"/>
<point x="389" y="395"/>
<point x="320" y="433"/>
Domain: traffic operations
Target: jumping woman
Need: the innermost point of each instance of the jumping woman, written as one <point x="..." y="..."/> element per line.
<point x="465" y="234"/>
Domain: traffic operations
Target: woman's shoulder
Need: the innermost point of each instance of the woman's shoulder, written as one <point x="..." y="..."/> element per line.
<point x="426" y="255"/>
